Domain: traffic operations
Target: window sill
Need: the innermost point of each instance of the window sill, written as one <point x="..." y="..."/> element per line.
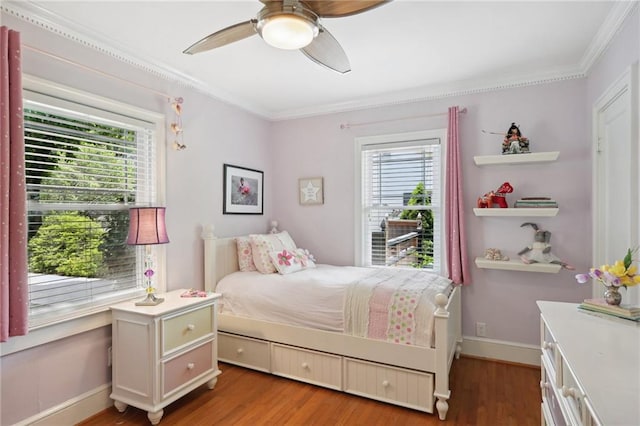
<point x="60" y="330"/>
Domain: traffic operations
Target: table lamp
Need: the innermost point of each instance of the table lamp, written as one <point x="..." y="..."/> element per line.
<point x="147" y="227"/>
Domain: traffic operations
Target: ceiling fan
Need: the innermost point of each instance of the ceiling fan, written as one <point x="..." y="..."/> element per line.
<point x="294" y="24"/>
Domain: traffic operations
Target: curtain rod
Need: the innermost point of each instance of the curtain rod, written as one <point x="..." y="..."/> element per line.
<point x="366" y="123"/>
<point x="97" y="71"/>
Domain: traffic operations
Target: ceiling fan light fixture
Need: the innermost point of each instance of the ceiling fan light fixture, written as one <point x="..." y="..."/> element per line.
<point x="288" y="31"/>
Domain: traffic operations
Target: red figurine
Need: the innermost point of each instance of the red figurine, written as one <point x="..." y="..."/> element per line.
<point x="497" y="197"/>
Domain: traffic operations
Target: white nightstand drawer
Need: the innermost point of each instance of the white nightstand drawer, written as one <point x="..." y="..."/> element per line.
<point x="186" y="367"/>
<point x="552" y="411"/>
<point x="549" y="348"/>
<point x="591" y="418"/>
<point x="185" y="328"/>
<point x="307" y="366"/>
<point x="404" y="387"/>
<point x="244" y="351"/>
<point x="572" y="395"/>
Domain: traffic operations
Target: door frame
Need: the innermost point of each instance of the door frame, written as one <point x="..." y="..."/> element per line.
<point x="627" y="83"/>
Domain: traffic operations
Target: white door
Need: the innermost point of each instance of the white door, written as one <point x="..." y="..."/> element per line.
<point x="616" y="176"/>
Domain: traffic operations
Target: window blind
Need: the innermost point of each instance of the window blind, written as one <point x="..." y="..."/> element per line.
<point x="401" y="190"/>
<point x="84" y="169"/>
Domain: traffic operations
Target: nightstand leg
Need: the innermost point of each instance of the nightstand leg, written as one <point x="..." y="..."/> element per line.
<point x="212" y="383"/>
<point x="154" y="418"/>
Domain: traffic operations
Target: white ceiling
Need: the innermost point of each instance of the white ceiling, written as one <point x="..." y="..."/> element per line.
<point x="401" y="51"/>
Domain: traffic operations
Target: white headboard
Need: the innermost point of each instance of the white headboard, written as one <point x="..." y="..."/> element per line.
<point x="220" y="257"/>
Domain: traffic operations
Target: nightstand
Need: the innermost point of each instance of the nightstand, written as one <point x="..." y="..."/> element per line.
<point x="161" y="353"/>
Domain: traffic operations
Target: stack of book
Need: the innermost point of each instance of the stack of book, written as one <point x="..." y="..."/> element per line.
<point x="536" y="202"/>
<point x="622" y="311"/>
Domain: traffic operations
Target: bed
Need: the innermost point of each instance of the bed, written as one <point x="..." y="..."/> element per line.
<point x="337" y="354"/>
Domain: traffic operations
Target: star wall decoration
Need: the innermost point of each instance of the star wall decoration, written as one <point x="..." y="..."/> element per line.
<point x="310" y="191"/>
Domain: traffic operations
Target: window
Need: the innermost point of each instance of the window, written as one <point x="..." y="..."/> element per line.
<point x="399" y="209"/>
<point x="87" y="161"/>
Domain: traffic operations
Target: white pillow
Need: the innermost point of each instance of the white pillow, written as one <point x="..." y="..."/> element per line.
<point x="263" y="244"/>
<point x="285" y="261"/>
<point x="245" y="255"/>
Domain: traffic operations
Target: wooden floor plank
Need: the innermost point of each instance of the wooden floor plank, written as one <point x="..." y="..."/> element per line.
<point x="483" y="393"/>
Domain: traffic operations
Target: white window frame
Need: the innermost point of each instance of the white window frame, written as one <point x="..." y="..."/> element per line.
<point x="97" y="316"/>
<point x="360" y="221"/>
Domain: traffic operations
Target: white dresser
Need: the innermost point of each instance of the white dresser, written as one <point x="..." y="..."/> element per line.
<point x="162" y="352"/>
<point x="590" y="369"/>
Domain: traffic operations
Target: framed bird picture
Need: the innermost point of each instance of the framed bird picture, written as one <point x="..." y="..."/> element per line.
<point x="242" y="190"/>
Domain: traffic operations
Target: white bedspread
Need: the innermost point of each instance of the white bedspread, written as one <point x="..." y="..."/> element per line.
<point x="332" y="298"/>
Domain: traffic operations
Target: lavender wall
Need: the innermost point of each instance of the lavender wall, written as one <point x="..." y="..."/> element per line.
<point x="40" y="378"/>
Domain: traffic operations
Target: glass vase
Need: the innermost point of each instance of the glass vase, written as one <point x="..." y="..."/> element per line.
<point x="612" y="296"/>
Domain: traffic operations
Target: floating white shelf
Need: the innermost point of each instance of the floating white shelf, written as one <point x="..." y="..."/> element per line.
<point x="516" y="212"/>
<point x="517" y="265"/>
<point x="534" y="157"/>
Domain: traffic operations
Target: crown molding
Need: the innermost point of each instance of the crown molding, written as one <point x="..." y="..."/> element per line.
<point x="430" y="93"/>
<point x="614" y="21"/>
<point x="61" y="26"/>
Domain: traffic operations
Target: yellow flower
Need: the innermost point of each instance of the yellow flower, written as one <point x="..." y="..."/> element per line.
<point x="618" y="269"/>
<point x="625" y="280"/>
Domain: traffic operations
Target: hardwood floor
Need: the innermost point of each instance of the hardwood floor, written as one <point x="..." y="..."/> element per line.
<point x="482" y="393"/>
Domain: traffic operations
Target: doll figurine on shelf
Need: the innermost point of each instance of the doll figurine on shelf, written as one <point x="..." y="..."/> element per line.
<point x="514" y="142"/>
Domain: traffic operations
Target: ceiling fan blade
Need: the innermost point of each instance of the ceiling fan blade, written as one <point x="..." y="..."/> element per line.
<point x="339" y="8"/>
<point x="222" y="37"/>
<point x="336" y="8"/>
<point x="326" y="51"/>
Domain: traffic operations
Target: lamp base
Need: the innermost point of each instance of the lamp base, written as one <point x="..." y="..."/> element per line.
<point x="150" y="300"/>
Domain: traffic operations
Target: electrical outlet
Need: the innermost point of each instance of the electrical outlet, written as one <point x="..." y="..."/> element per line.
<point x="481" y="329"/>
<point x="109" y="357"/>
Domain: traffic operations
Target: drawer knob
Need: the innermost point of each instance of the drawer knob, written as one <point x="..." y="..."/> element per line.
<point x="190" y="366"/>
<point x="305" y="365"/>
<point x="544" y="385"/>
<point x="239" y="351"/>
<point x="569" y="392"/>
<point x="385" y="383"/>
<point x="548" y="345"/>
<point x="191" y="327"/>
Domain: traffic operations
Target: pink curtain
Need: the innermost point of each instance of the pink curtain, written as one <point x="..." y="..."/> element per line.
<point x="454" y="206"/>
<point x="14" y="294"/>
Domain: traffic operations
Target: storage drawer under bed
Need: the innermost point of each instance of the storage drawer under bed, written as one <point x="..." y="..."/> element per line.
<point x="313" y="367"/>
<point x="244" y="351"/>
<point x="408" y="388"/>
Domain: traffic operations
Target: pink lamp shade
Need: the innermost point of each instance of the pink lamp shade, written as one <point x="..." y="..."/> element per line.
<point x="146" y="226"/>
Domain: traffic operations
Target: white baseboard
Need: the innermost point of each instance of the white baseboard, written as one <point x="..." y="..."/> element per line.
<point x="74" y="410"/>
<point x="501" y="350"/>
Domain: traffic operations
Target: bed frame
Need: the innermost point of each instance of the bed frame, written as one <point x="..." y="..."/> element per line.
<point x="409" y="376"/>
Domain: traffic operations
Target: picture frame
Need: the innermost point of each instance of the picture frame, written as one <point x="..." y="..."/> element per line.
<point x="242" y="190"/>
<point x="311" y="191"/>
